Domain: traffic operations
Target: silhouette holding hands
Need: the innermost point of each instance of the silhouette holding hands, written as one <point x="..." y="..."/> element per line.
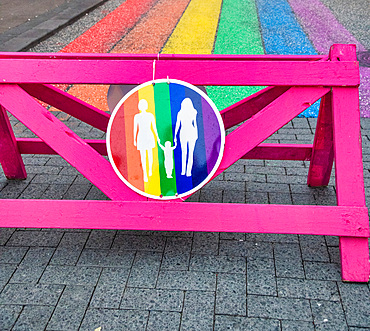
<point x="168" y="157"/>
<point x="186" y="122"/>
<point x="144" y="139"/>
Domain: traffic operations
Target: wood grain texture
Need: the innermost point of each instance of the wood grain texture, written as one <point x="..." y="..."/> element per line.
<point x="183" y="216"/>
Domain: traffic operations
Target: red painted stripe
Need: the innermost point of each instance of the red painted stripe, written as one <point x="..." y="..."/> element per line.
<point x="108" y="31"/>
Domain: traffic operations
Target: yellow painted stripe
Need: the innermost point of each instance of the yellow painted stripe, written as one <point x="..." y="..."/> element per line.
<point x="195" y="32"/>
<point x="153" y="186"/>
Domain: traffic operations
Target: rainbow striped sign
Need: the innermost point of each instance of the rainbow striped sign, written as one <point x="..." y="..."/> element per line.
<point x="165" y="139"/>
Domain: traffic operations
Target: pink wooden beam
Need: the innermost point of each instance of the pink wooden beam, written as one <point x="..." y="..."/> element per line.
<point x="323" y="154"/>
<point x="267" y="121"/>
<point x="294" y="152"/>
<point x="319" y="220"/>
<point x="121" y="56"/>
<point x="69" y="104"/>
<point x="354" y="251"/>
<point x="246" y="108"/>
<point x="262" y="151"/>
<point x="197" y="72"/>
<point x="65" y="142"/>
<point x="10" y="158"/>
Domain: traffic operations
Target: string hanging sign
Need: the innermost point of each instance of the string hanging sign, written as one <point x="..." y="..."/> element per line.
<point x="165" y="139"/>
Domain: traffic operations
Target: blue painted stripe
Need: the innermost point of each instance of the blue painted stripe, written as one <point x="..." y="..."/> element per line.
<point x="282" y="34"/>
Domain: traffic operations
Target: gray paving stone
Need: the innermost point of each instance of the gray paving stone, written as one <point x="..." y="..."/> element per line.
<point x="33" y="318"/>
<point x="187" y="280"/>
<point x="8" y="316"/>
<point x="164" y="321"/>
<point x="74" y="240"/>
<point x="236" y="323"/>
<point x="256" y="197"/>
<point x="5" y="234"/>
<point x="77" y="192"/>
<point x="307" y="289"/>
<point x="140" y="243"/>
<point x="229" y="264"/>
<point x="213" y="195"/>
<point x="231" y="294"/>
<point x="264" y="170"/>
<point x="109" y="291"/>
<point x="303" y="199"/>
<point x="65" y="256"/>
<point x="102" y="239"/>
<point x="35" y="238"/>
<point x="334" y="254"/>
<point x="94" y="193"/>
<point x="70" y="275"/>
<point x="12" y="254"/>
<point x="6" y="272"/>
<point x="106" y="258"/>
<point x="198" y="311"/>
<point x="232" y="236"/>
<point x="71" y="308"/>
<point x="152" y="299"/>
<point x="29" y="294"/>
<point x="38" y="256"/>
<point x="288" y="260"/>
<point x="279" y="308"/>
<point x="332" y="241"/>
<point x="267" y="187"/>
<point x="114" y="320"/>
<point x="145" y="269"/>
<point x="205" y="243"/>
<point x="246" y="248"/>
<point x="230" y="196"/>
<point x="314" y="248"/>
<point x="261" y="276"/>
<point x="245" y="177"/>
<point x="280" y="198"/>
<point x="322" y="271"/>
<point x="177" y="253"/>
<point x="297" y="326"/>
<point x="328" y="315"/>
<point x="27" y="274"/>
<point x="272" y="237"/>
<point x="356" y="302"/>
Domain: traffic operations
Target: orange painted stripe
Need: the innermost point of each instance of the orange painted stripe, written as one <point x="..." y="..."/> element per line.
<point x="135" y="173"/>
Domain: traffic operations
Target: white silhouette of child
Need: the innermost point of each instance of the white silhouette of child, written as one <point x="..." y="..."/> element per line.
<point x="168" y="157"/>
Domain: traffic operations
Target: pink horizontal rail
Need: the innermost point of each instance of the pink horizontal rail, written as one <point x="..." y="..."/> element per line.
<point x="104" y="56"/>
<point x="263" y="151"/>
<point x="318" y="220"/>
<point x="197" y="72"/>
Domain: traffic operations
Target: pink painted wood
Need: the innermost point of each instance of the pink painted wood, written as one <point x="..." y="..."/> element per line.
<point x="264" y="151"/>
<point x="178" y="216"/>
<point x="10" y="158"/>
<point x="348" y="168"/>
<point x="294" y="83"/>
<point x="196" y="72"/>
<point x="69" y="104"/>
<point x="65" y="142"/>
<point x="323" y="153"/>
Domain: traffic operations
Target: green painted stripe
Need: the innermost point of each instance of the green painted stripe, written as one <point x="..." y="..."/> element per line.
<point x="164" y="128"/>
<point x="238" y="33"/>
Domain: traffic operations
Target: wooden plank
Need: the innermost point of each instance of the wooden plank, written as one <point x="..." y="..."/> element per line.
<point x="246" y="108"/>
<point x="10" y="158"/>
<point x="178" y="216"/>
<point x="65" y="142"/>
<point x="354" y="252"/>
<point x="69" y="104"/>
<point x="293" y="152"/>
<point x="94" y="56"/>
<point x="267" y="121"/>
<point x="263" y="151"/>
<point x="197" y="72"/>
<point x="323" y="153"/>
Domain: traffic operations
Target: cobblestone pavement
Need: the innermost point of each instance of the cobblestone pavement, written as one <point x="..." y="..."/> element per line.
<point x="146" y="280"/>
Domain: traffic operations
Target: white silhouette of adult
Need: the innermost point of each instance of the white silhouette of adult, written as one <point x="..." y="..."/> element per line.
<point x="186" y="122"/>
<point x="144" y="140"/>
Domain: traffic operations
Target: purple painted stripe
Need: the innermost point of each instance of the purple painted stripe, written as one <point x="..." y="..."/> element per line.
<point x="323" y="30"/>
<point x="211" y="131"/>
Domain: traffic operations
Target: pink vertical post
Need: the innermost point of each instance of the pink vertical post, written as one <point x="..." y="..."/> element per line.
<point x="354" y="251"/>
<point x="10" y="158"/>
<point x="322" y="152"/>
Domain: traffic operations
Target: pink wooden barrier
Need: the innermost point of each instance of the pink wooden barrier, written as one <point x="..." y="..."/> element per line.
<point x="295" y="82"/>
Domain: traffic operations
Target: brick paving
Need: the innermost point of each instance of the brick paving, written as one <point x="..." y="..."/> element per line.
<point x="62" y="279"/>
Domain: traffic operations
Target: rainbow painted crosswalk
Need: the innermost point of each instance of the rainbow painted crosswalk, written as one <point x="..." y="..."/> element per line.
<point x="165" y="139"/>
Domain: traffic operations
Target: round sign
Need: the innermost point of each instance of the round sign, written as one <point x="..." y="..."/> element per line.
<point x="165" y="139"/>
